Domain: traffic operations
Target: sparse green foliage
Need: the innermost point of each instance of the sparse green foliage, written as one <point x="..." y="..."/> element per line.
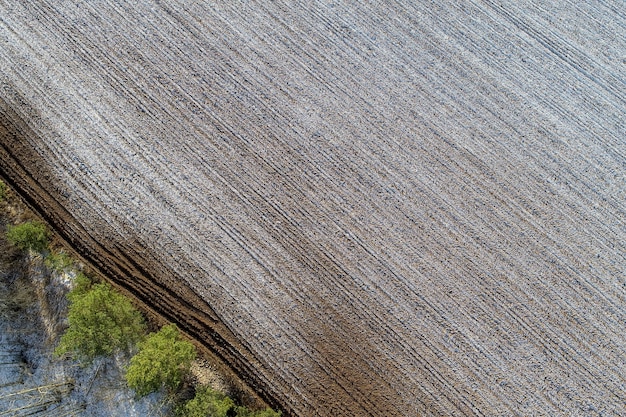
<point x="207" y="402"/>
<point x="82" y="284"/>
<point x="28" y="236"/>
<point x="210" y="403"/>
<point x="245" y="412"/>
<point x="58" y="261"/>
<point x="164" y="358"/>
<point x="3" y="190"/>
<point x="268" y="412"/>
<point x="101" y="320"/>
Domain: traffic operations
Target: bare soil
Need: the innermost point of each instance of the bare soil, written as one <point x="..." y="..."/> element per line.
<point x="363" y="208"/>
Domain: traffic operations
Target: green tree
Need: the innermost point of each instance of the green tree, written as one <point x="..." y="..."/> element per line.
<point x="164" y="358"/>
<point x="28" y="236"/>
<point x="207" y="402"/>
<point x="101" y="321"/>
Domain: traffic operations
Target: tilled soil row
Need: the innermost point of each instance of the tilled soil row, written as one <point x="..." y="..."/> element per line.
<point x="367" y="208"/>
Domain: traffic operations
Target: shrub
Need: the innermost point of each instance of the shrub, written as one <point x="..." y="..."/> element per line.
<point x="101" y="321"/>
<point x="3" y="190"/>
<point x="210" y="403"/>
<point x="164" y="358"/>
<point x="82" y="285"/>
<point x="207" y="402"/>
<point x="28" y="236"/>
<point x="58" y="261"/>
<point x="268" y="412"/>
<point x="245" y="412"/>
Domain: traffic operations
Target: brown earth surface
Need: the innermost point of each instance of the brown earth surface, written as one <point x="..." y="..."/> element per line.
<point x="393" y="208"/>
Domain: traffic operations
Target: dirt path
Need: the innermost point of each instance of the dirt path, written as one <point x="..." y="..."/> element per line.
<point x="375" y="208"/>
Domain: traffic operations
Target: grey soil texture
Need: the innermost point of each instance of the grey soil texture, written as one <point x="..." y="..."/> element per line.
<point x="367" y="208"/>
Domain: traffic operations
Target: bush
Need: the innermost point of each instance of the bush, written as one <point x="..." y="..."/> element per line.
<point x="210" y="403"/>
<point x="28" y="236"/>
<point x="245" y="412"/>
<point x="164" y="358"/>
<point x="58" y="261"/>
<point x="3" y="190"/>
<point x="207" y="402"/>
<point x="268" y="412"/>
<point x="101" y="321"/>
<point x="81" y="286"/>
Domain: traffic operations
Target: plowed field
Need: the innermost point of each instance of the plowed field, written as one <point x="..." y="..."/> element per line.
<point x="385" y="208"/>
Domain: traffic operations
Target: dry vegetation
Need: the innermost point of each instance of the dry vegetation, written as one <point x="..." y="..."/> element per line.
<point x="365" y="208"/>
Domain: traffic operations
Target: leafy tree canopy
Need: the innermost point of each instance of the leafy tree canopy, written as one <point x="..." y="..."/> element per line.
<point x="28" y="236"/>
<point x="210" y="403"/>
<point x="207" y="402"/>
<point x="101" y="321"/>
<point x="164" y="358"/>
